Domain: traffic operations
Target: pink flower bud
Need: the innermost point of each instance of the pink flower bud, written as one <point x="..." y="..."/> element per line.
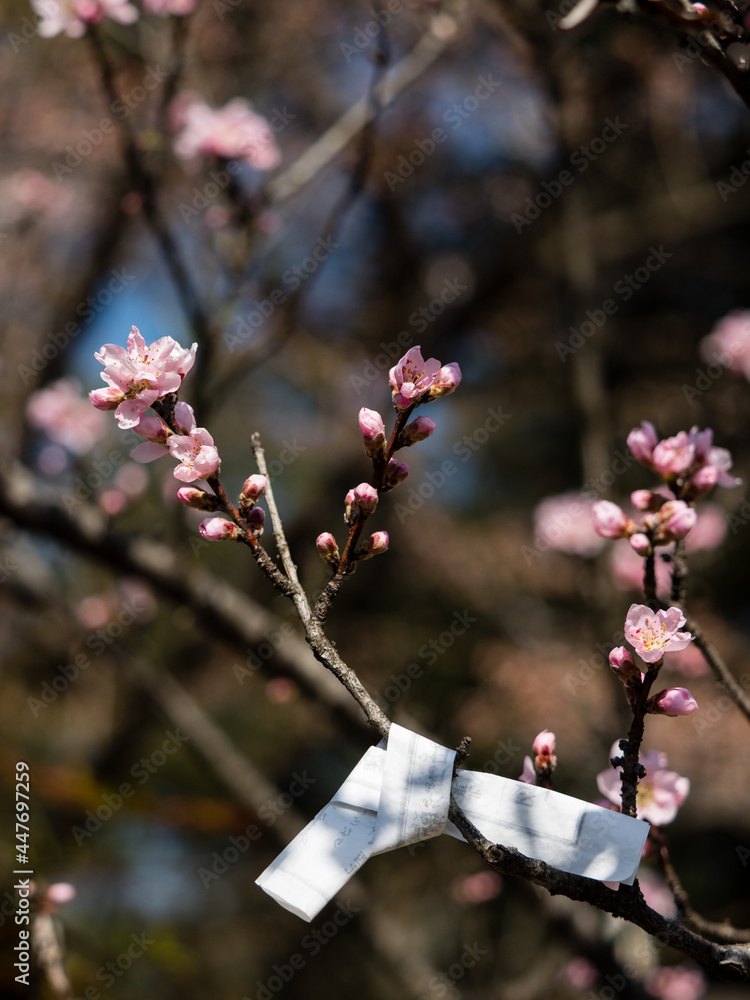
<point x="609" y="520"/>
<point x="677" y="519"/>
<point x="545" y="760"/>
<point x="253" y="489"/>
<point x="623" y="665"/>
<point x="674" y="455"/>
<point x="106" y="399"/>
<point x="703" y="480"/>
<point x="328" y="550"/>
<point x="672" y="701"/>
<point x="646" y="500"/>
<point x="198" y="499"/>
<point x="152" y="428"/>
<point x="375" y="545"/>
<point x="365" y="498"/>
<point x="417" y="430"/>
<point x="642" y="441"/>
<point x="256" y="518"/>
<point x="395" y="473"/>
<point x="373" y="432"/>
<point x="217" y="529"/>
<point x="640" y="543"/>
<point x="447" y="381"/>
<point x="544" y="743"/>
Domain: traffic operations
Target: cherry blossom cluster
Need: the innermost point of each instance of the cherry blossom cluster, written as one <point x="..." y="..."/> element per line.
<point x="72" y="16"/>
<point x="234" y="132"/>
<point x="690" y="466"/>
<point x="413" y="382"/>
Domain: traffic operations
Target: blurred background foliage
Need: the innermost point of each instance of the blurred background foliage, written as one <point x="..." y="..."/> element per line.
<point x="508" y="301"/>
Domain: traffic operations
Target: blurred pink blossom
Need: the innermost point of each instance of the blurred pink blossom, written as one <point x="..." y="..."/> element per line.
<point x="66" y="416"/>
<point x="609" y="520"/>
<point x="234" y="132"/>
<point x="72" y="16"/>
<point x="689" y="661"/>
<point x="660" y="793"/>
<point x="675" y="982"/>
<point x="657" y="893"/>
<point x="563" y="522"/>
<point x="729" y="343"/>
<point x="654" y="633"/>
<point x="477" y="888"/>
<point x="179" y="8"/>
<point x="674" y="455"/>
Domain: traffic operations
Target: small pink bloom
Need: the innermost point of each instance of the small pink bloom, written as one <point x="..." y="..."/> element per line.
<point x="196" y="452"/>
<point x="674" y="455"/>
<point x="673" y="701"/>
<point x="417" y="430"/>
<point x="703" y="480"/>
<point x="253" y="489"/>
<point x="721" y="460"/>
<point x="641" y="544"/>
<point x="72" y="16"/>
<point x="178" y="8"/>
<point x="327" y="548"/>
<point x="412" y="377"/>
<point x="677" y="519"/>
<point x="660" y="793"/>
<point x="609" y="520"/>
<point x="675" y="982"/>
<point x="642" y="441"/>
<point x="217" y="529"/>
<point x="65" y="416"/>
<point x="60" y="893"/>
<point x="652" y="634"/>
<point x="232" y="132"/>
<point x="729" y="343"/>
<point x="544" y="744"/>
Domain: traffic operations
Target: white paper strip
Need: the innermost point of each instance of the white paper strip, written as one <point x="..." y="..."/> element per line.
<point x="400" y="795"/>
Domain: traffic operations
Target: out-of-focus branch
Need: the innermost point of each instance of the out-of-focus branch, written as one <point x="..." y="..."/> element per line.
<point x="719" y="667"/>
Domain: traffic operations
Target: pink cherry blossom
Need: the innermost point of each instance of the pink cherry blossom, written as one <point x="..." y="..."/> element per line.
<point x="674" y="455"/>
<point x="641" y="544"/>
<point x="675" y="982"/>
<point x="372" y="429"/>
<point x="447" y="381"/>
<point x="609" y="520"/>
<point x="623" y="665"/>
<point x="412" y="377"/>
<point x="654" y="633"/>
<point x="144" y="373"/>
<point x="728" y="344"/>
<point x="660" y="793"/>
<point x="563" y="523"/>
<point x="106" y="399"/>
<point x="197" y="454"/>
<point x="642" y="441"/>
<point x="198" y="499"/>
<point x="217" y="529"/>
<point x="72" y="16"/>
<point x="253" y="488"/>
<point x="418" y="430"/>
<point x="362" y="498"/>
<point x="677" y="519"/>
<point x="179" y="8"/>
<point x="234" y="132"/>
<point x="64" y="414"/>
<point x="673" y="701"/>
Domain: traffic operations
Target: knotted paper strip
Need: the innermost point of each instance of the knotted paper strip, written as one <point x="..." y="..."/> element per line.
<point x="400" y="795"/>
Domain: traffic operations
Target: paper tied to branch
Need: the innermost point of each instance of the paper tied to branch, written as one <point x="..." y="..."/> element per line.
<point x="400" y="794"/>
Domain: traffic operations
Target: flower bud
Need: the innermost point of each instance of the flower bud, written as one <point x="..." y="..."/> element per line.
<point x="672" y="701"/>
<point x="199" y="499"/>
<point x="106" y="399"/>
<point x="646" y="500"/>
<point x="373" y="432"/>
<point x="641" y="544"/>
<point x="218" y="529"/>
<point x="642" y="441"/>
<point x="375" y="545"/>
<point x="447" y="381"/>
<point x="395" y="473"/>
<point x="677" y="519"/>
<point x="545" y="760"/>
<point x="417" y="430"/>
<point x="609" y="520"/>
<point x="362" y="499"/>
<point x="623" y="666"/>
<point x="252" y="490"/>
<point x="702" y="481"/>
<point x="152" y="428"/>
<point x="328" y="550"/>
<point x="255" y="519"/>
